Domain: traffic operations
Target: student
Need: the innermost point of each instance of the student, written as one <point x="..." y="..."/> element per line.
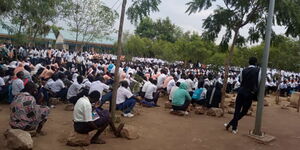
<point x="18" y="84"/>
<point x="190" y="84"/>
<point x="174" y="88"/>
<point x="125" y="100"/>
<point x="58" y="87"/>
<point x="25" y="113"/>
<point x="145" y="86"/>
<point x="150" y="95"/>
<point x="74" y="90"/>
<point x="197" y="97"/>
<point x="181" y="99"/>
<point x="87" y="120"/>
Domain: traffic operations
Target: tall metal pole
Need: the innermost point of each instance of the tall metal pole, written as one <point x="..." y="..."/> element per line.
<point x="261" y="94"/>
<point x="119" y="53"/>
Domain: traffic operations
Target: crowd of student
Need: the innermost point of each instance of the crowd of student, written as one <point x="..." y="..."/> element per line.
<point x="30" y="77"/>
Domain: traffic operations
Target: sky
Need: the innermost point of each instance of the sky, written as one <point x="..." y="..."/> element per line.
<point x="175" y="10"/>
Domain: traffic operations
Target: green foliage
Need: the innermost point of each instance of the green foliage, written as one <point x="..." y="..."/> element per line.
<point x="162" y="29"/>
<point x="141" y="8"/>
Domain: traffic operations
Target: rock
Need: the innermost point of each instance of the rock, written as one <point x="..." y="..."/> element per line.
<point x="129" y="132"/>
<point x="17" y="139"/>
<point x="231" y="111"/>
<point x="217" y="112"/>
<point x="284" y="106"/>
<point x="266" y="103"/>
<point x="200" y="110"/>
<point x="76" y="139"/>
<point x="178" y="113"/>
<point x="69" y="107"/>
<point x="54" y="101"/>
<point x="295" y="99"/>
<point x="168" y="105"/>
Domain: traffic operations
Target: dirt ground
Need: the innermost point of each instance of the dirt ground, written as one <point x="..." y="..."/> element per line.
<point x="159" y="130"/>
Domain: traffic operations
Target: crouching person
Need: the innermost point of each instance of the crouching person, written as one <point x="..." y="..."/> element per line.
<point x="25" y="113"/>
<point x="87" y="119"/>
<point x="125" y="99"/>
<point x="181" y="99"/>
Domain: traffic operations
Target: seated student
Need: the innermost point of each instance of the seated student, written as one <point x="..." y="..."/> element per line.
<point x="3" y="86"/>
<point x="18" y="84"/>
<point x="197" y="97"/>
<point x="125" y="99"/>
<point x="181" y="98"/>
<point x="173" y="89"/>
<point x="146" y="84"/>
<point x="86" y="119"/>
<point x="151" y="93"/>
<point x="74" y="90"/>
<point x="283" y="88"/>
<point x="25" y="113"/>
<point x="58" y="87"/>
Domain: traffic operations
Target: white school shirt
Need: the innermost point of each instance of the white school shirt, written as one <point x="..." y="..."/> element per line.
<point x="98" y="86"/>
<point x="190" y="85"/>
<point x="57" y="85"/>
<point x="123" y="94"/>
<point x="146" y="84"/>
<point x="73" y="90"/>
<point x="160" y="80"/>
<point x="83" y="110"/>
<point x="2" y="83"/>
<point x="17" y="86"/>
<point x="150" y="90"/>
<point x="170" y="85"/>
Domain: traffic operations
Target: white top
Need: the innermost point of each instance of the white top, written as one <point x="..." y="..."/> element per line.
<point x="160" y="80"/>
<point x="123" y="94"/>
<point x="147" y="83"/>
<point x="174" y="88"/>
<point x="74" y="90"/>
<point x="83" y="110"/>
<point x="2" y="83"/>
<point x="190" y="85"/>
<point x="98" y="86"/>
<point x="57" y="85"/>
<point x="17" y="86"/>
<point x="150" y="90"/>
<point x="170" y="85"/>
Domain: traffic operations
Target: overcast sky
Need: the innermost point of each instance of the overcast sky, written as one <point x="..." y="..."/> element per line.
<point x="175" y="10"/>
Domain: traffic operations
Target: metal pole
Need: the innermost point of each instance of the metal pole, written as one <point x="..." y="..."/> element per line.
<point x="261" y="95"/>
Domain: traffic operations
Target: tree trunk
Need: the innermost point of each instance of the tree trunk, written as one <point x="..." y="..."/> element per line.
<point x="76" y="40"/>
<point x="119" y="53"/>
<point x="227" y="64"/>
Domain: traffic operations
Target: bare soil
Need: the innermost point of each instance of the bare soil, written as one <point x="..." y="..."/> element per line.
<point x="159" y="130"/>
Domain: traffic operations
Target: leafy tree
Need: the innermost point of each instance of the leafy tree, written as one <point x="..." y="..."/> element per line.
<point x="162" y="29"/>
<point x="233" y="15"/>
<point x="90" y="20"/>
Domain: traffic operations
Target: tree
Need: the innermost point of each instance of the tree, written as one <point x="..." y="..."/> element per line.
<point x="233" y="15"/>
<point x="32" y="18"/>
<point x="137" y="11"/>
<point x="90" y="20"/>
<point x="162" y="29"/>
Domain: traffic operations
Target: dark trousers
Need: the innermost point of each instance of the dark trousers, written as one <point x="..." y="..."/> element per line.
<point x="242" y="104"/>
<point x="69" y="66"/>
<point x="184" y="107"/>
<point x="127" y="106"/>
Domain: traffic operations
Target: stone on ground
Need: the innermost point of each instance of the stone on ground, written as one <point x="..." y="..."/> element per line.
<point x="200" y="110"/>
<point x="216" y="112"/>
<point x="266" y="103"/>
<point x="69" y="107"/>
<point x="168" y="105"/>
<point x="76" y="139"/>
<point x="54" y="101"/>
<point x="129" y="132"/>
<point x="17" y="139"/>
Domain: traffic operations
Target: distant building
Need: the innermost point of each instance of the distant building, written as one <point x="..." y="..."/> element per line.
<point x="65" y="40"/>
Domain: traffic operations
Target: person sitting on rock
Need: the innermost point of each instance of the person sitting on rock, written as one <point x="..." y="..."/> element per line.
<point x="181" y="99"/>
<point x="74" y="90"/>
<point x="87" y="119"/>
<point x="25" y="113"/>
<point x="125" y="99"/>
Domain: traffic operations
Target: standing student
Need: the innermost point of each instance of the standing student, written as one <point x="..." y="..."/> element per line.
<point x="250" y="78"/>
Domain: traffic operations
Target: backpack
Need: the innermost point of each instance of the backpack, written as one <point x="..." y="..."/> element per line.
<point x="197" y="94"/>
